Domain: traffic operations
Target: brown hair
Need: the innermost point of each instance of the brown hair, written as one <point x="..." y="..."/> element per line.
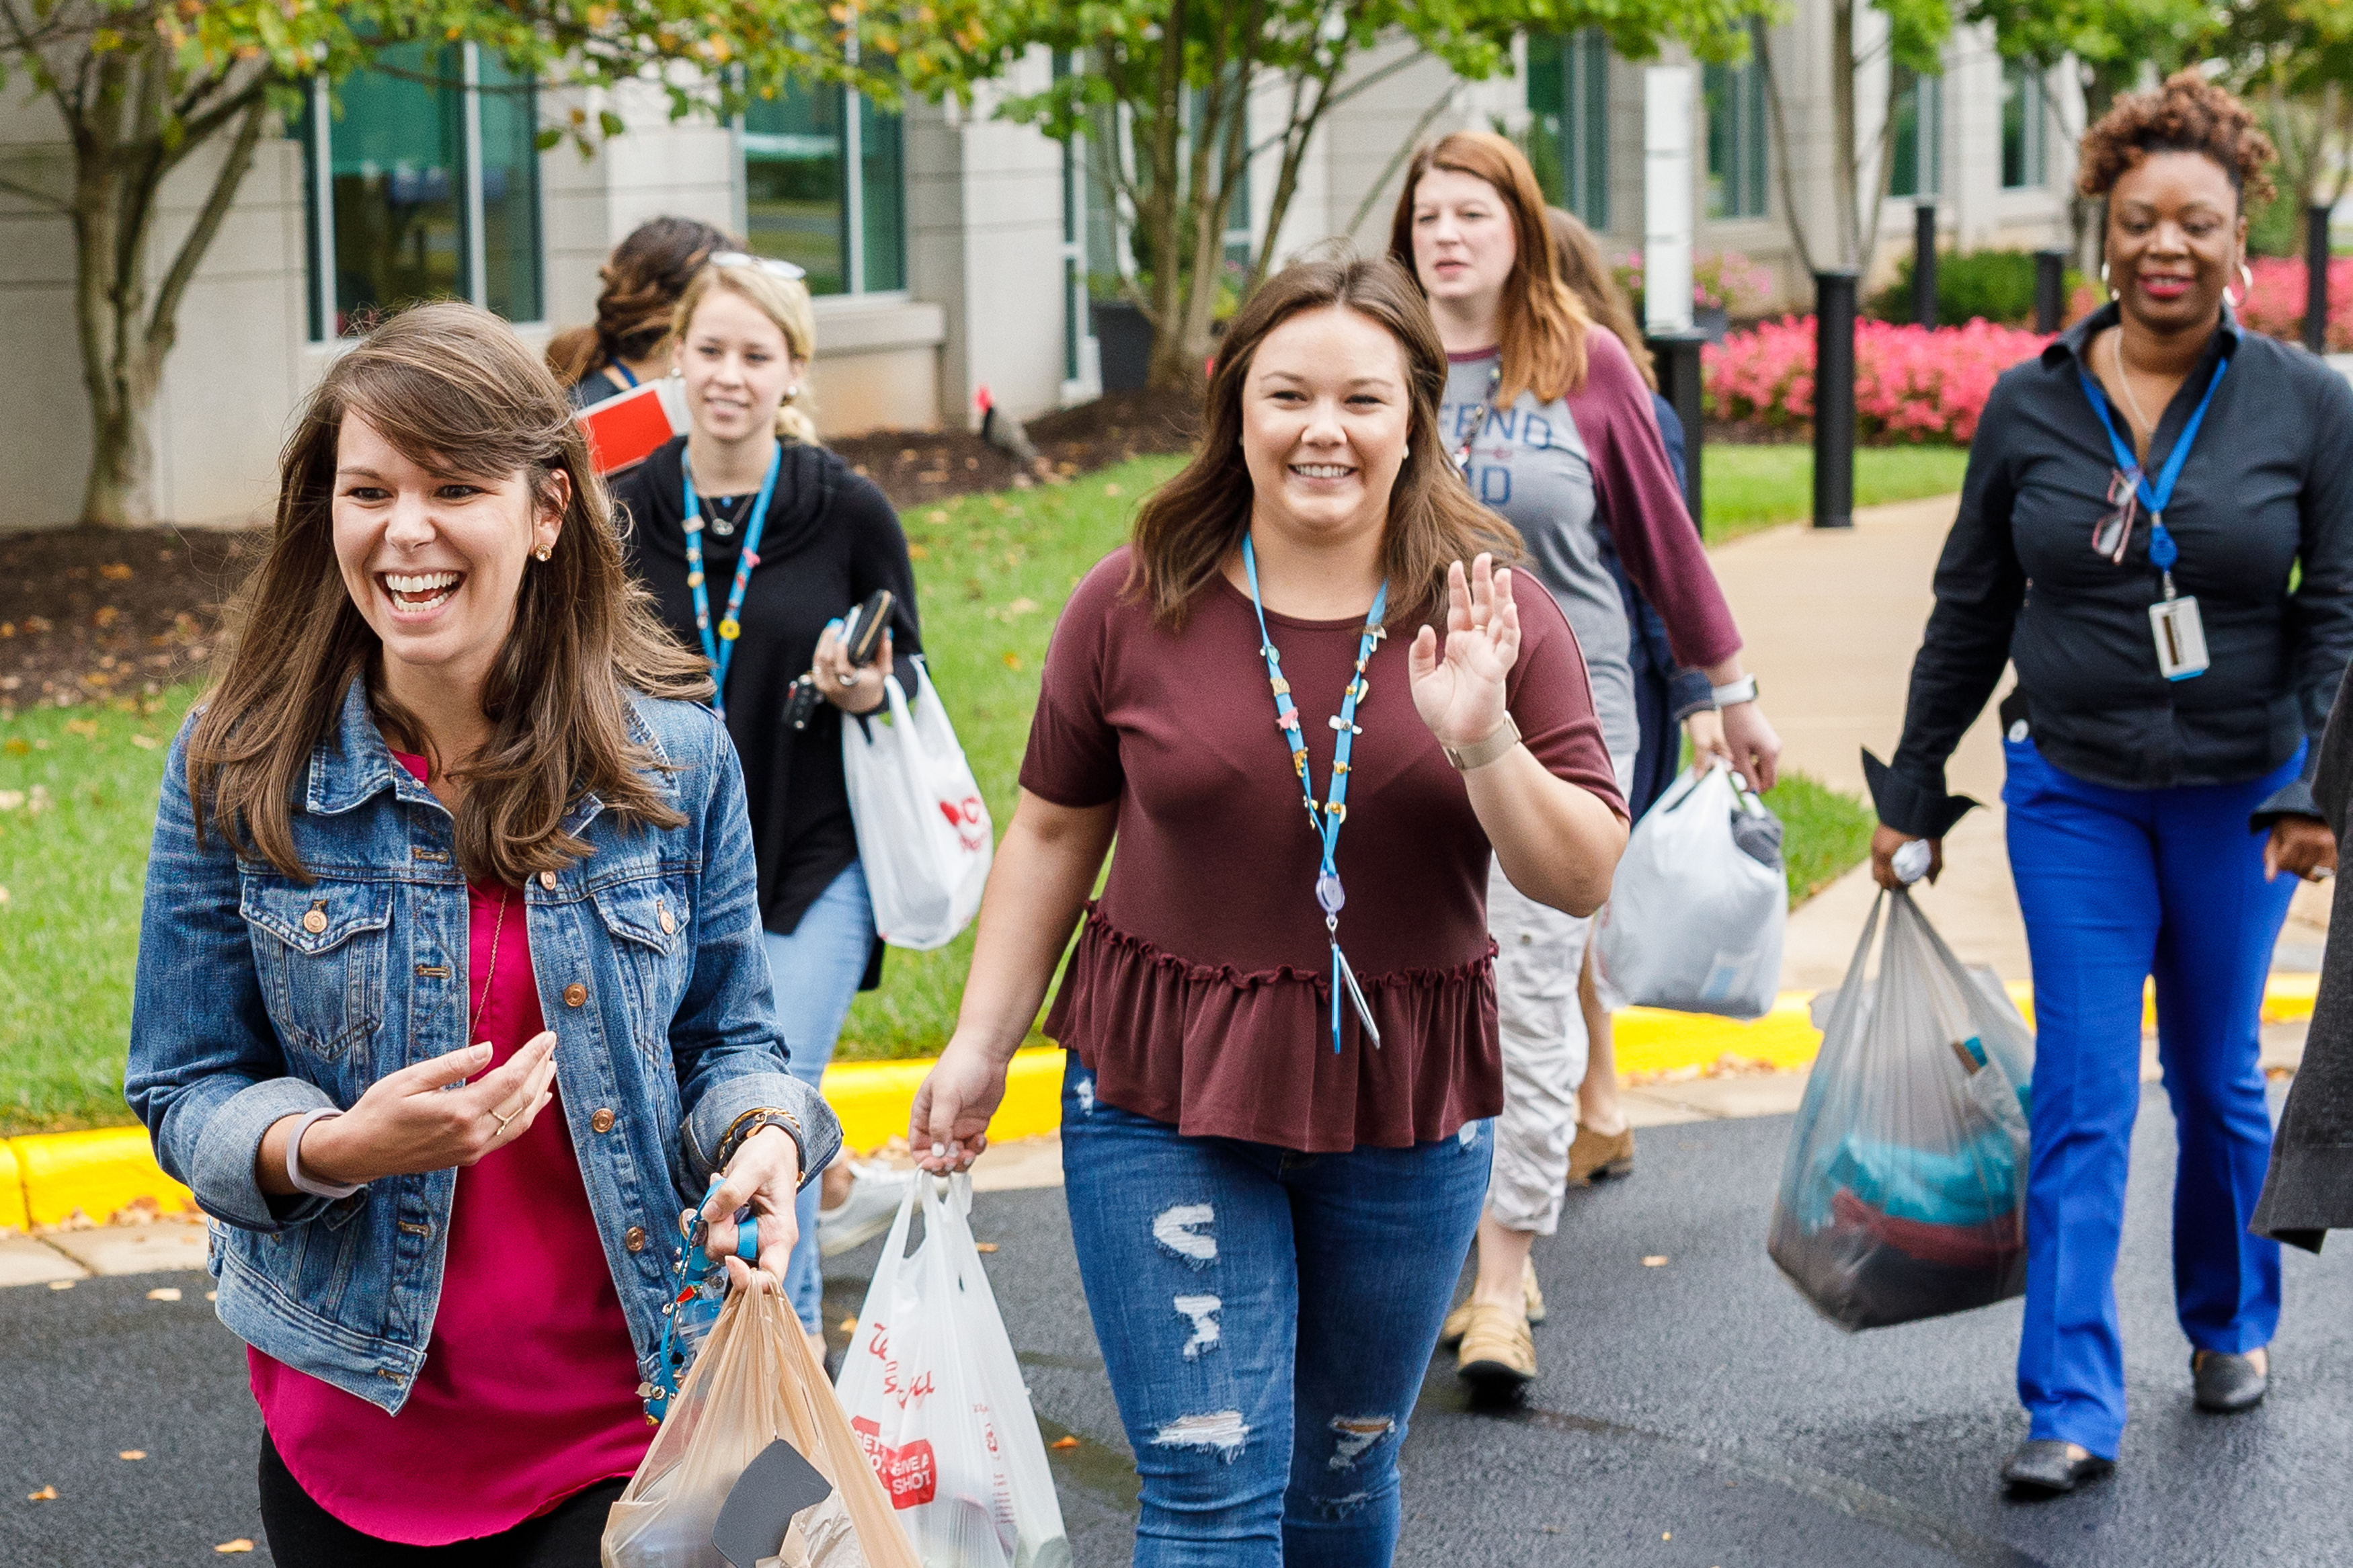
<point x="2188" y="114"/>
<point x="1190" y="525"/>
<point x="643" y="279"/>
<point x="447" y="384"/>
<point x="784" y="301"/>
<point x="1586" y="272"/>
<point x="1542" y="322"/>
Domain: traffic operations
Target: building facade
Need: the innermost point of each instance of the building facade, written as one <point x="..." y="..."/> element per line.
<point x="948" y="251"/>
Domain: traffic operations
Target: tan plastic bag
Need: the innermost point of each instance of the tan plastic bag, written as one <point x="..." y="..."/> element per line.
<point x="755" y="1382"/>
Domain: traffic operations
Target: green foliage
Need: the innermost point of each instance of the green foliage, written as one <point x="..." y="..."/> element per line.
<point x="1995" y="285"/>
<point x="1747" y="488"/>
<point x="1824" y="833"/>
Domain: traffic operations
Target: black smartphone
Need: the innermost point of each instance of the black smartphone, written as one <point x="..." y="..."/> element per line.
<point x="862" y="632"/>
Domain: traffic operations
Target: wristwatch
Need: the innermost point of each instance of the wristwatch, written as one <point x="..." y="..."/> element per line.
<point x="1479" y="754"/>
<point x="1741" y="691"/>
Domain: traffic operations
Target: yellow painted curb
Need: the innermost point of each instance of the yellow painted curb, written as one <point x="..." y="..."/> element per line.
<point x="12" y="1191"/>
<point x="97" y="1173"/>
<point x="873" y="1099"/>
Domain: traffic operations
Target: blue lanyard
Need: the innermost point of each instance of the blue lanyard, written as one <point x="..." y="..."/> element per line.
<point x="2162" y="551"/>
<point x="1324" y="820"/>
<point x="617" y="365"/>
<point x="729" y="627"/>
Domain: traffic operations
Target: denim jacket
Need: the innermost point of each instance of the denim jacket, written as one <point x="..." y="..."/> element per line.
<point x="248" y="1007"/>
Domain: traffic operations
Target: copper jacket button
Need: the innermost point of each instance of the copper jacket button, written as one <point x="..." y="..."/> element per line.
<point x="547" y="880"/>
<point x="575" y="994"/>
<point x="602" y="1121"/>
<point x="315" y="921"/>
<point x="634" y="1239"/>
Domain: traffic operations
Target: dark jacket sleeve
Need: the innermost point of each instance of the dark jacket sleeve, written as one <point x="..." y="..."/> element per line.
<point x="1689" y="692"/>
<point x="878" y="559"/>
<point x="2320" y="611"/>
<point x="1980" y="588"/>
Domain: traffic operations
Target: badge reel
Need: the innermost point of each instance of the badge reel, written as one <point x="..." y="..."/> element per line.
<point x="2174" y="621"/>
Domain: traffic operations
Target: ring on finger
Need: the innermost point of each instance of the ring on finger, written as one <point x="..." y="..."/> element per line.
<point x="850" y="678"/>
<point x="502" y="1121"/>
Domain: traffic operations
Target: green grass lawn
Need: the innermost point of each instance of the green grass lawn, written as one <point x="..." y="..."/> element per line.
<point x="78" y="788"/>
<point x="1745" y="489"/>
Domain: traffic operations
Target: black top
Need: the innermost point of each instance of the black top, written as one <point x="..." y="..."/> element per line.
<point x="2267" y="490"/>
<point x="830" y="540"/>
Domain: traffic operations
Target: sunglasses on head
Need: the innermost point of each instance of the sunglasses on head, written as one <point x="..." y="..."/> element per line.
<point x="768" y="264"/>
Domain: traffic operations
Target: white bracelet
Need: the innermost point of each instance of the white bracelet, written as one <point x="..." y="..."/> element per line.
<point x="1741" y="691"/>
<point x="303" y="1183"/>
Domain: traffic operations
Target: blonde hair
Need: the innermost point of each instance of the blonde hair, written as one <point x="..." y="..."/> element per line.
<point x="784" y="301"/>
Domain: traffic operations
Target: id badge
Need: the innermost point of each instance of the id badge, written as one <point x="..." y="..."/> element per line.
<point x="2180" y="638"/>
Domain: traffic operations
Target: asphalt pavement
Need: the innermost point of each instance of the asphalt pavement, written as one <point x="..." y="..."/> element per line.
<point x="1691" y="1413"/>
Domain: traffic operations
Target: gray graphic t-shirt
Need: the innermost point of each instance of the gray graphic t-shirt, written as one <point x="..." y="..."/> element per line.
<point x="1529" y="463"/>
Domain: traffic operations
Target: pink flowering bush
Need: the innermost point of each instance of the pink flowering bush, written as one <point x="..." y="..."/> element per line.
<point x="1911" y="384"/>
<point x="2275" y="304"/>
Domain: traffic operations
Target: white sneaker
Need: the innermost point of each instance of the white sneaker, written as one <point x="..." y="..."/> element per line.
<point x="875" y="1195"/>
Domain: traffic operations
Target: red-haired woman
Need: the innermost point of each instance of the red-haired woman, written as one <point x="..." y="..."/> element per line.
<point x="1282" y="1032"/>
<point x="1551" y="425"/>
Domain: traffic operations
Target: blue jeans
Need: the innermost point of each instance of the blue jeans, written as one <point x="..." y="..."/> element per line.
<point x="2117" y="884"/>
<point x="816" y="972"/>
<point x="1266" y="1319"/>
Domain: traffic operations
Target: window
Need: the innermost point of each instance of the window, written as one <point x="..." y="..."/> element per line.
<point x="2024" y="121"/>
<point x="1735" y="137"/>
<point x="1916" y="140"/>
<point x="1077" y="324"/>
<point x="424" y="186"/>
<point x="824" y="187"/>
<point x="1568" y="126"/>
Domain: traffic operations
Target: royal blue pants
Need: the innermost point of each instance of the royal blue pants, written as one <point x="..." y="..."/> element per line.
<point x="1266" y="1320"/>
<point x="2118" y="885"/>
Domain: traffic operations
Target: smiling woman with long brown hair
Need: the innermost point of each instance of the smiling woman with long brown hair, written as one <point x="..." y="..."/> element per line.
<point x="2156" y="529"/>
<point x="452" y="846"/>
<point x="1282" y="1031"/>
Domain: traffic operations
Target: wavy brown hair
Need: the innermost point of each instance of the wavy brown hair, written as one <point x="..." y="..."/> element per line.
<point x="643" y="279"/>
<point x="457" y="392"/>
<point x="1586" y="272"/>
<point x="1541" y="321"/>
<point x="1188" y="527"/>
<point x="2188" y="114"/>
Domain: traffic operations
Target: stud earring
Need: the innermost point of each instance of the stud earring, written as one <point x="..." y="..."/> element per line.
<point x="544" y="550"/>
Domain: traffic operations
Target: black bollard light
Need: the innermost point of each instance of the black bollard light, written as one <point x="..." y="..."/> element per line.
<point x="2315" y="277"/>
<point x="2050" y="289"/>
<point x="1676" y="358"/>
<point x="1834" y="397"/>
<point x="1924" y="264"/>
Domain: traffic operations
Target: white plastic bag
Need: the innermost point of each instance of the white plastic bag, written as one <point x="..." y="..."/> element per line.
<point x="924" y="834"/>
<point x="1904" y="1195"/>
<point x="1697" y="912"/>
<point x="933" y="1392"/>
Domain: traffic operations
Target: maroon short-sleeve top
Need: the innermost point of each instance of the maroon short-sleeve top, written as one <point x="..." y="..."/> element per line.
<point x="1199" y="992"/>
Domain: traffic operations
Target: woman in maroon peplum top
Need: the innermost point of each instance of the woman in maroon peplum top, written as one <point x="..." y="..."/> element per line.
<point x="1282" y="1013"/>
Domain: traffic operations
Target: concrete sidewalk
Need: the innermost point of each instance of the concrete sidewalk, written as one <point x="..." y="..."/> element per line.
<point x="1831" y="620"/>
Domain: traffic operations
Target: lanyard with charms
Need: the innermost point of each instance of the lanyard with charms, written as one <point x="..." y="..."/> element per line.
<point x="731" y="624"/>
<point x="1325" y="820"/>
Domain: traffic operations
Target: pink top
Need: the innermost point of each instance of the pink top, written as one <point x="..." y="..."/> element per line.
<point x="528" y="1390"/>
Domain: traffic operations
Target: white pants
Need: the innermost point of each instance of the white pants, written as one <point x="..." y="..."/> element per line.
<point x="1539" y="954"/>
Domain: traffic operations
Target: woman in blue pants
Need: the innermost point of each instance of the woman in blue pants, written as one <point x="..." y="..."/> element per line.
<point x="2156" y="528"/>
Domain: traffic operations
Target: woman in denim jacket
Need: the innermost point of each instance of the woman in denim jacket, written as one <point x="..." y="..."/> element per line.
<point x="450" y="985"/>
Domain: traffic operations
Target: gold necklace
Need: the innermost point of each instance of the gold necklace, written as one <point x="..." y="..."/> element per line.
<point x="2141" y="427"/>
<point x="489" y="973"/>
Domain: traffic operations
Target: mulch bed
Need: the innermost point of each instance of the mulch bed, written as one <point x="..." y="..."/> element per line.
<point x="92" y="614"/>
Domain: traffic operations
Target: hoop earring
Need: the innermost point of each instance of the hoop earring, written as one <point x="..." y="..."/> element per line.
<point x="544" y="550"/>
<point x="2246" y="287"/>
<point x="2104" y="280"/>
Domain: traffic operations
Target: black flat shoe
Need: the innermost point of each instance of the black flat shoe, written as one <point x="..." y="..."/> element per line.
<point x="2043" y="1468"/>
<point x="2227" y="1384"/>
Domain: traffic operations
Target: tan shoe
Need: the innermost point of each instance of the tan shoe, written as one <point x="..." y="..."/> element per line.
<point x="1458" y="1322"/>
<point x="1593" y="1158"/>
<point x="1498" y="1358"/>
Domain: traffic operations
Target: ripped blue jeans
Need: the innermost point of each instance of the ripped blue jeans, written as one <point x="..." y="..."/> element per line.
<point x="1266" y="1318"/>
